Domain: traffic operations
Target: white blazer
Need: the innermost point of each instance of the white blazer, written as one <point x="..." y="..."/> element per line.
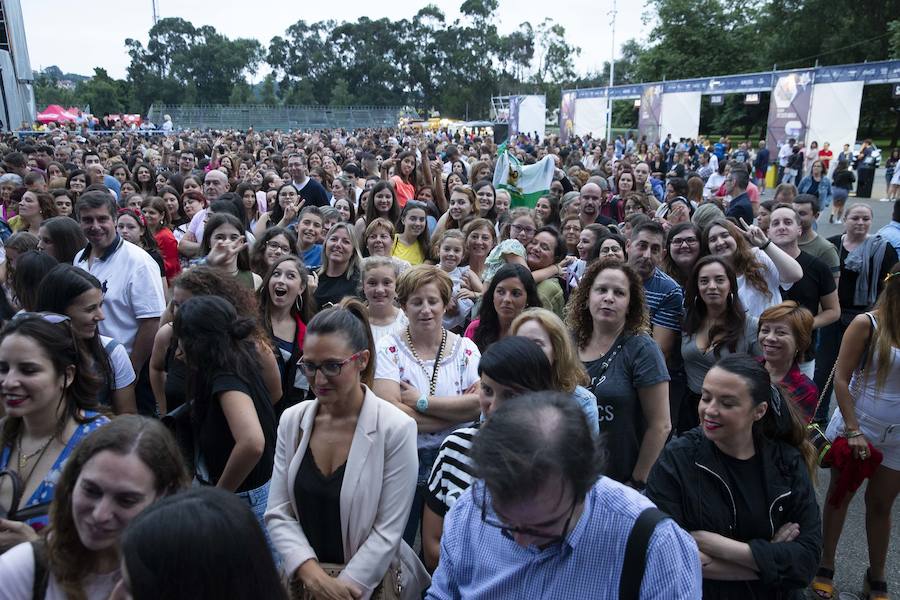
<point x="376" y="495"/>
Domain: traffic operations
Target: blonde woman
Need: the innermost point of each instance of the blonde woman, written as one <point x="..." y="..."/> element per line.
<point x="568" y="374"/>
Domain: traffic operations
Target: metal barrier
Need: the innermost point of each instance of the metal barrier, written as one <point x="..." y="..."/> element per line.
<point x="263" y="117"/>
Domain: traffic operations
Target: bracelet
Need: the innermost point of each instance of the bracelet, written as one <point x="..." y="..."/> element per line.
<point x="766" y="245"/>
<point x="852" y="433"/>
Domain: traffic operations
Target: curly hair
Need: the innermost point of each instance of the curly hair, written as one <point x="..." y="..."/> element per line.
<point x="743" y="261"/>
<point x="578" y="313"/>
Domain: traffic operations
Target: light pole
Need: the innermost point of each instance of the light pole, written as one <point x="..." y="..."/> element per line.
<point x="612" y="71"/>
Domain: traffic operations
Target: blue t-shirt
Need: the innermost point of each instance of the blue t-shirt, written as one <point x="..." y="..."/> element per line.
<point x="665" y="300"/>
<point x="312" y="258"/>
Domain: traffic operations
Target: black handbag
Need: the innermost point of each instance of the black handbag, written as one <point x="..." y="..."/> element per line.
<point x="18" y="489"/>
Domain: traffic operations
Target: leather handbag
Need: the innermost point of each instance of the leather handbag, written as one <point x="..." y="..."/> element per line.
<point x="390" y="587"/>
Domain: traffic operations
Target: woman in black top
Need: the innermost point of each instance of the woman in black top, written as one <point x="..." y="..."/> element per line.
<point x="865" y="262"/>
<point x="339" y="274"/>
<point x="232" y="417"/>
<point x="842" y="181"/>
<point x="740" y="483"/>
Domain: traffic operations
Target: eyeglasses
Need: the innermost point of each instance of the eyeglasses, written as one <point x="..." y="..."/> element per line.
<point x="330" y="368"/>
<point x="276" y="246"/>
<point x="690" y="241"/>
<point x="522" y="228"/>
<point x="509" y="531"/>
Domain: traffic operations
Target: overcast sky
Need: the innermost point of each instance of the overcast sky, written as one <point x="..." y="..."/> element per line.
<point x="77" y="37"/>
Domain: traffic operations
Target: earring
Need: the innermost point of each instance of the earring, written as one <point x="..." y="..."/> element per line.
<point x="299" y="303"/>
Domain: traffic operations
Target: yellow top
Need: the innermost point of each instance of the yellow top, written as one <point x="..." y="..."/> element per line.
<point x="411" y="254"/>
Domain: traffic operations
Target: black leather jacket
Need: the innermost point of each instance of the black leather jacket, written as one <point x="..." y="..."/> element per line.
<point x="688" y="482"/>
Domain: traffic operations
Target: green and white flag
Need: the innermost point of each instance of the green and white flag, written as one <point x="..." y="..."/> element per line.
<point x="525" y="183"/>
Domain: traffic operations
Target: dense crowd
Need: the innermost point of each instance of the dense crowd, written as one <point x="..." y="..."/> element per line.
<point x="343" y="365"/>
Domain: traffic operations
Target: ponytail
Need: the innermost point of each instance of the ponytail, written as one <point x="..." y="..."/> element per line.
<point x="350" y="318"/>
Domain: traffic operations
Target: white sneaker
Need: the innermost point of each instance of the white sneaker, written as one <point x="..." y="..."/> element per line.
<point x="885" y="200"/>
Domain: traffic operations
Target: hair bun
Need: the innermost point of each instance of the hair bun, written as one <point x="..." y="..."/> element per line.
<point x="241" y="327"/>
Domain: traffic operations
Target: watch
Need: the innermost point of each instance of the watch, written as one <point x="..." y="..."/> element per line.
<point x="422" y="404"/>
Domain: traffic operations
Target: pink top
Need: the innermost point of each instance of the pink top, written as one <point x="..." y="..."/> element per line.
<point x="472" y="328"/>
<point x="405" y="191"/>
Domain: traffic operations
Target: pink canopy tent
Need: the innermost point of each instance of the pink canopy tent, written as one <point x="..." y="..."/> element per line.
<point x="56" y="114"/>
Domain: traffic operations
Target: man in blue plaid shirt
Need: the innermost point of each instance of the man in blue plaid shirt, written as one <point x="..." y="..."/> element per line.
<point x="543" y="523"/>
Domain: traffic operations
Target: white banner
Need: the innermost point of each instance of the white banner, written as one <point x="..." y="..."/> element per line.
<point x="834" y="115"/>
<point x="590" y="117"/>
<point x="532" y="115"/>
<point x="680" y="115"/>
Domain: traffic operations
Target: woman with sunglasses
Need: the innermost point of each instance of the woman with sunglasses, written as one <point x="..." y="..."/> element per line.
<point x="50" y="399"/>
<point x="344" y="467"/>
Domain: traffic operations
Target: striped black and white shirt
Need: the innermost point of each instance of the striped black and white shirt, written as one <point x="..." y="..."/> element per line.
<point x="452" y="473"/>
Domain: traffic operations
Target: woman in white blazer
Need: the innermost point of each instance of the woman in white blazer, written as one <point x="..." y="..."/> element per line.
<point x="345" y="471"/>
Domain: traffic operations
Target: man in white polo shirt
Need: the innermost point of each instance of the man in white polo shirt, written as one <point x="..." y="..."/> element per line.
<point x="133" y="297"/>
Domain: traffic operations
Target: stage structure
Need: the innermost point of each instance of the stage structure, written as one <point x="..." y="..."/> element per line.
<point x="820" y="103"/>
<point x="524" y="113"/>
<point x="16" y="77"/>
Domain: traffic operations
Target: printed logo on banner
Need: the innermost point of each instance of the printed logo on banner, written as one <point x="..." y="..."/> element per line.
<point x="567" y="117"/>
<point x="789" y="109"/>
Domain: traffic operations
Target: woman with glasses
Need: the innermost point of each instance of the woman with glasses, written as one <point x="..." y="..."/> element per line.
<point x="50" y="399"/>
<point x="345" y="465"/>
<point x="275" y="243"/>
<point x="427" y="371"/>
<point x="512" y="366"/>
<point x="682" y="252"/>
<point x="231" y="409"/>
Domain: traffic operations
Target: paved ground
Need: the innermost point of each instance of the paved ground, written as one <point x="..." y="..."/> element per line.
<point x="852" y="555"/>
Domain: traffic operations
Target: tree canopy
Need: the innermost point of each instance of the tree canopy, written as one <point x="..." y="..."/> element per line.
<point x="431" y="63"/>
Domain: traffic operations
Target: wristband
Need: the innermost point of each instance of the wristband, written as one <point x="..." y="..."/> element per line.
<point x="852" y="433"/>
<point x="766" y="245"/>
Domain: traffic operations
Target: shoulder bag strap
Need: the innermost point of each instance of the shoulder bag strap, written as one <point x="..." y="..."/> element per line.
<point x="636" y="553"/>
<point x="41" y="569"/>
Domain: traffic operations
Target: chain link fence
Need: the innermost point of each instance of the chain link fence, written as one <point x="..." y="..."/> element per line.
<point x="261" y="117"/>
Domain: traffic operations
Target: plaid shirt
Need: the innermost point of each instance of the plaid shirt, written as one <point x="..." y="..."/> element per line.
<point x="478" y="561"/>
<point x="801" y="390"/>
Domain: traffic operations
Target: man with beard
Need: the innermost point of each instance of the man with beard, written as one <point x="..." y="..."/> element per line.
<point x="665" y="298"/>
<point x="816" y="288"/>
<point x="592" y="201"/>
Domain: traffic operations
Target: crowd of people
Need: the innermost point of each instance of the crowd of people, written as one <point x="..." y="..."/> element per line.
<point x="343" y="364"/>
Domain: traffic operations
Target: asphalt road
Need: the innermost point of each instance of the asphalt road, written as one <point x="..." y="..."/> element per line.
<point x="852" y="554"/>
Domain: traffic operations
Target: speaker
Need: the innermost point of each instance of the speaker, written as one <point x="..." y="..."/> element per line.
<point x="501" y="133"/>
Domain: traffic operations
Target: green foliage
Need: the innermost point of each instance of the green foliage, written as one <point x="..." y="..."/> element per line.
<point x="455" y="67"/>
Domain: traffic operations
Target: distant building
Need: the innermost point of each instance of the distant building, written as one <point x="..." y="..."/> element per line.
<point x="16" y="77"/>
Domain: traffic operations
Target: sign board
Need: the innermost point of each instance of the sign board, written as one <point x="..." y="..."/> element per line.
<point x="717" y="99"/>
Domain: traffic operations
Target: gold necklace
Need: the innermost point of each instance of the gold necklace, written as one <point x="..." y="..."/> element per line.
<point x="23" y="459"/>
